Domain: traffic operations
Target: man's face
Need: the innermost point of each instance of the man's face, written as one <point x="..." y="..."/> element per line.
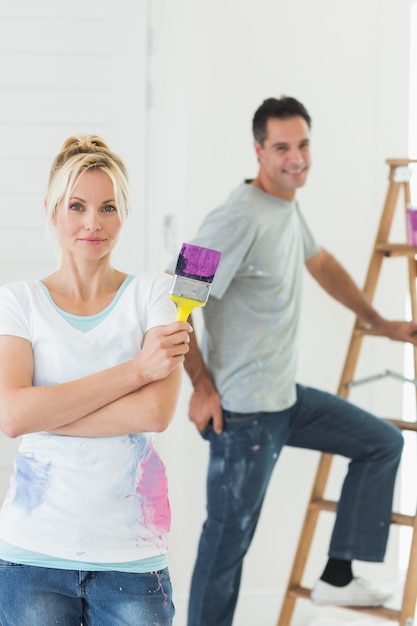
<point x="284" y="158"/>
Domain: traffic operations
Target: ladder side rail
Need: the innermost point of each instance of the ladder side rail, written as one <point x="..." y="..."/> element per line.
<point x="412" y="277"/>
<point x="410" y="586"/>
<point x="350" y="363"/>
<point x="371" y="280"/>
<point x="382" y="236"/>
<point x="409" y="598"/>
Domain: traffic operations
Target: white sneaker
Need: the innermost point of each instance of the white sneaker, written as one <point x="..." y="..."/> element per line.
<point x="358" y="592"/>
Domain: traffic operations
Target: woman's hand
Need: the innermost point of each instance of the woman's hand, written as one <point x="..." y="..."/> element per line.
<point x="164" y="347"/>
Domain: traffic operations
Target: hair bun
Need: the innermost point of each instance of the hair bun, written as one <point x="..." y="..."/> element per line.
<point x="84" y="143"/>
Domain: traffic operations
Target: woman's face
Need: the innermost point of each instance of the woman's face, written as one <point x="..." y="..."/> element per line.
<point x="89" y="226"/>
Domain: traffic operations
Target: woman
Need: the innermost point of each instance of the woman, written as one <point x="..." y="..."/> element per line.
<point x="90" y="366"/>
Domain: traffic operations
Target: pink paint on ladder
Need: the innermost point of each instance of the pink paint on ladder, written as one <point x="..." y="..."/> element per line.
<point x="411" y="225"/>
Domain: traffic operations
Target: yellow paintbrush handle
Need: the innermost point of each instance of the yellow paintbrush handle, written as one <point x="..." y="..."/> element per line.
<point x="184" y="306"/>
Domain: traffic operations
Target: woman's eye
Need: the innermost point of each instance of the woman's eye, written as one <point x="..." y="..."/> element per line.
<point x="109" y="208"/>
<point x="75" y="207"/>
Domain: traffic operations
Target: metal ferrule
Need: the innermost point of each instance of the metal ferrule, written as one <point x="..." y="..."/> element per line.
<point x="190" y="288"/>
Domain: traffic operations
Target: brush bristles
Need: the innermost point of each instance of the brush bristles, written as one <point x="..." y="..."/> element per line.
<point x="190" y="288"/>
<point x="197" y="262"/>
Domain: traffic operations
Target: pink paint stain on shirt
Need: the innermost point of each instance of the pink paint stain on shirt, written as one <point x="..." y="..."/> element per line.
<point x="152" y="486"/>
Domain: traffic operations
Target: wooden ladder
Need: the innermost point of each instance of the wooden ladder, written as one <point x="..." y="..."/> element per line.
<point x="399" y="177"/>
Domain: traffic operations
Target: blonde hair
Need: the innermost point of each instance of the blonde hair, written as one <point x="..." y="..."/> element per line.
<point x="78" y="154"/>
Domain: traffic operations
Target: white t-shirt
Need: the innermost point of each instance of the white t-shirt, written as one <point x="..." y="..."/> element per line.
<point x="89" y="499"/>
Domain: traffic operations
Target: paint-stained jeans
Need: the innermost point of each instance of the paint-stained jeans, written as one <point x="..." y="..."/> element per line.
<point x="40" y="596"/>
<point x="241" y="462"/>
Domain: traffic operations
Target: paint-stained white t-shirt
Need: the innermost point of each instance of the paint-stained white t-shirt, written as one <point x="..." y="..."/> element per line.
<point x="251" y="317"/>
<point x="89" y="499"/>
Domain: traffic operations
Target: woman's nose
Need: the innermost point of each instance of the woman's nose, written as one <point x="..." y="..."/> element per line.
<point x="92" y="221"/>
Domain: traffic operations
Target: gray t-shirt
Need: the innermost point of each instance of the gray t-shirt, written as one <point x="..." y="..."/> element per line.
<point x="251" y="317"/>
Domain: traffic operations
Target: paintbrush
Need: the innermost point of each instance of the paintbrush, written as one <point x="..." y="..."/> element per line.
<point x="194" y="274"/>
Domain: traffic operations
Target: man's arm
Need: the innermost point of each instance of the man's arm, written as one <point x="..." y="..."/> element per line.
<point x="205" y="403"/>
<point x="337" y="282"/>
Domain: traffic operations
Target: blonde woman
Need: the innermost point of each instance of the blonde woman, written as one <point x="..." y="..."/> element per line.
<point x="90" y="367"/>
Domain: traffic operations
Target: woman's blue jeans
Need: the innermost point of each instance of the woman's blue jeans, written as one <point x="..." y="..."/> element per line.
<point x="241" y="462"/>
<point x="40" y="596"/>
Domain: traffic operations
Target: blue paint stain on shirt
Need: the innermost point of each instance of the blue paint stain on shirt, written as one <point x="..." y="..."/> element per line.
<point x="126" y="485"/>
<point x="32" y="480"/>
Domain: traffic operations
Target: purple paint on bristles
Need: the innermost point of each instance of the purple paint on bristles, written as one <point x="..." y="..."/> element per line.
<point x="197" y="262"/>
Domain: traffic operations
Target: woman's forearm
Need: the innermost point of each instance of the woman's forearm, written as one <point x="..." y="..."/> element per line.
<point x="149" y="409"/>
<point x="25" y="408"/>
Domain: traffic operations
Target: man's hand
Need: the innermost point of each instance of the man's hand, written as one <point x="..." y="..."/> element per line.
<point x="205" y="405"/>
<point x="398" y="331"/>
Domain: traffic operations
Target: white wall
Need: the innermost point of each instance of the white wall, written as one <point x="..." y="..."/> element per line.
<point x="348" y="62"/>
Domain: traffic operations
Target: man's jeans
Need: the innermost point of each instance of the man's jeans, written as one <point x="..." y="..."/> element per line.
<point x="40" y="596"/>
<point x="241" y="462"/>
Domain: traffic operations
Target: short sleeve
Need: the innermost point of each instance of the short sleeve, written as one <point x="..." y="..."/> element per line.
<point x="231" y="234"/>
<point x="311" y="247"/>
<point x="160" y="309"/>
<point x="15" y="311"/>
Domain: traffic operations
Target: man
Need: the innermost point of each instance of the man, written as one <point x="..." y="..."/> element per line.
<point x="246" y="402"/>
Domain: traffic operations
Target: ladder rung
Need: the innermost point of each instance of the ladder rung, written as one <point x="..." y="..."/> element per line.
<point x="379" y="611"/>
<point x="403" y="424"/>
<point x="322" y="504"/>
<point x="400" y="162"/>
<point x="301" y="592"/>
<point x="364" y="330"/>
<point x="402" y="520"/>
<point x="396" y="249"/>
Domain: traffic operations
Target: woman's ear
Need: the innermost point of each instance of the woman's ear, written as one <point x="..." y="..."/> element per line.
<point x="45" y="208"/>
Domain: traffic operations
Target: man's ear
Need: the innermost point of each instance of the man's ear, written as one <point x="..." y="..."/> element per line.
<point x="258" y="148"/>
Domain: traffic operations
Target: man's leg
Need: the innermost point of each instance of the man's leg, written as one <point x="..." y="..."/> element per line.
<point x="241" y="461"/>
<point x="325" y="422"/>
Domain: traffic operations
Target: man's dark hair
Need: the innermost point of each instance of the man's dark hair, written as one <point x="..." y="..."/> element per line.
<point x="283" y="108"/>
